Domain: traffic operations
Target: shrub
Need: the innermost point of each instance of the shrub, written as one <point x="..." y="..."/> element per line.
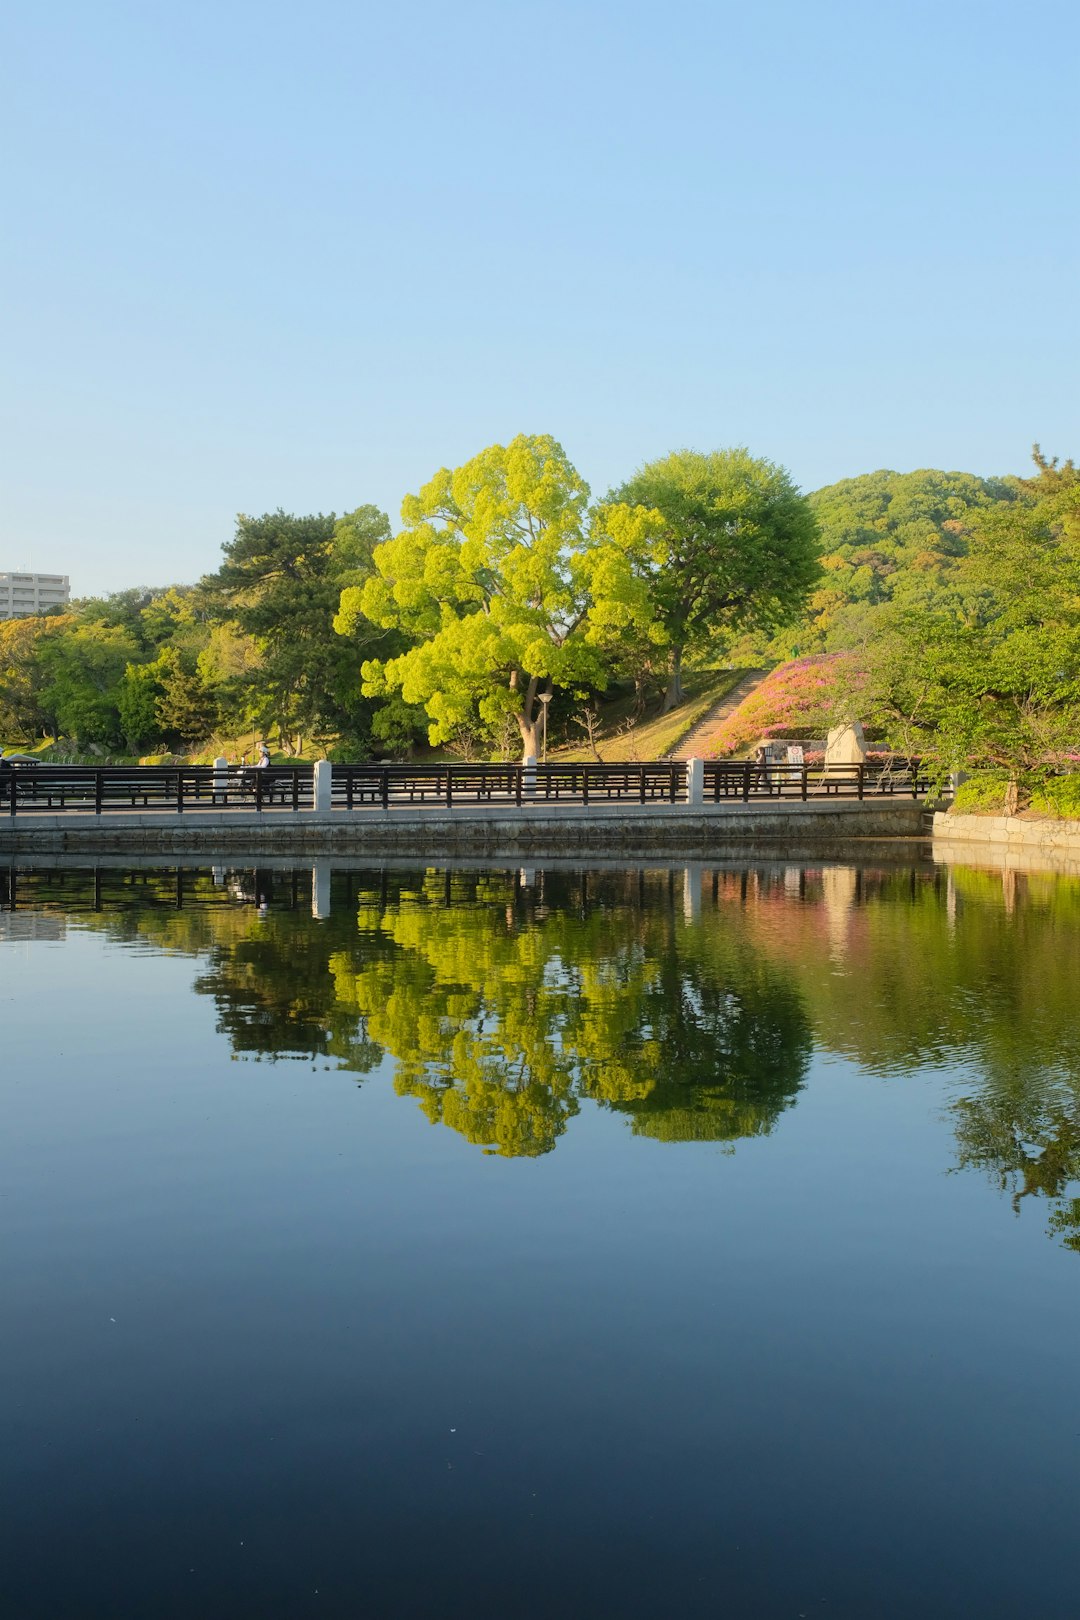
<point x="982" y="794"/>
<point x="1058" y="796"/>
<point x="799" y="699"/>
<point x="985" y="793"/>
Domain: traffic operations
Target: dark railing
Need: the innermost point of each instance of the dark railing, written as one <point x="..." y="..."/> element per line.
<point x="41" y="788"/>
<point x="153" y="787"/>
<point x="359" y="786"/>
<point x="746" y="779"/>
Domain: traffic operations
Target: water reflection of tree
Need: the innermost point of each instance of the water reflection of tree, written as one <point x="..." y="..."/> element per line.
<point x="504" y="1005"/>
<point x="960" y="967"/>
<point x="1030" y="1145"/>
<point x="264" y="961"/>
<point x="273" y="987"/>
<point x="504" y="1008"/>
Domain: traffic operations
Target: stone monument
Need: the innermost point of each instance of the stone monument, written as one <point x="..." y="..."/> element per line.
<point x="846" y="745"/>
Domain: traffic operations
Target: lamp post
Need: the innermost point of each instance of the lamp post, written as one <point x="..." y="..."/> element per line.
<point x="545" y="699"/>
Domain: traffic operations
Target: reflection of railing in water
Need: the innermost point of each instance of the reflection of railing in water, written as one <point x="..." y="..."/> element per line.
<point x="69" y="892"/>
<point x="96" y="790"/>
<point x="113" y="887"/>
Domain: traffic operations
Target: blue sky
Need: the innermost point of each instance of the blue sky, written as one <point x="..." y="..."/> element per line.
<point x="302" y="255"/>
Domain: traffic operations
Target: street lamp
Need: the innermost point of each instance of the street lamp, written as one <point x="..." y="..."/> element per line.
<point x="545" y="699"/>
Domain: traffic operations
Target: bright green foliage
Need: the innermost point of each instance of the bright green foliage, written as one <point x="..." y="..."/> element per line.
<point x="82" y="669"/>
<point x="137" y="700"/>
<point x="230" y="665"/>
<point x="1058" y="796"/>
<point x="25" y="712"/>
<point x="493" y="577"/>
<point x="988" y="677"/>
<point x="984" y="794"/>
<point x="503" y="1020"/>
<point x="735" y="549"/>
<point x="889" y="537"/>
<point x="356" y="536"/>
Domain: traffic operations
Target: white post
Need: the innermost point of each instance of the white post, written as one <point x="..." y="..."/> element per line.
<point x="528" y="784"/>
<point x="221" y="778"/>
<point x="695" y="781"/>
<point x="320" y="889"/>
<point x="321" y="785"/>
<point x="692" y="892"/>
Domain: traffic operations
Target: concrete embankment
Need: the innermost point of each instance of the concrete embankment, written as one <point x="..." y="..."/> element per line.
<point x="1008" y="842"/>
<point x="793" y="828"/>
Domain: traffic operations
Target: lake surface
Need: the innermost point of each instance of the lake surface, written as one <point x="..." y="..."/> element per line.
<point x="413" y="1242"/>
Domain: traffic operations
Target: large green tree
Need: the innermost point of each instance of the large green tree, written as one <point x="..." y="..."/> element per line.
<point x="82" y="668"/>
<point x="506" y="585"/>
<point x="736" y="549"/>
<point x="280" y="584"/>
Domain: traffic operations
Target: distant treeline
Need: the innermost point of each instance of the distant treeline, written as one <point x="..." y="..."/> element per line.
<point x="508" y="585"/>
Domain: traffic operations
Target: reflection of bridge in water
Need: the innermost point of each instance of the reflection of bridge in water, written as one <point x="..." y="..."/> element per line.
<point x="70" y="884"/>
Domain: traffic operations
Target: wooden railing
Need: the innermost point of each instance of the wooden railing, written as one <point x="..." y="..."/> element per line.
<point x="42" y="788"/>
<point x="153" y="787"/>
<point x="357" y="786"/>
<point x="746" y="780"/>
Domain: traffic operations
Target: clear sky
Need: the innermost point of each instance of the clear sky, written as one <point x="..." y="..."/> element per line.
<point x="303" y="254"/>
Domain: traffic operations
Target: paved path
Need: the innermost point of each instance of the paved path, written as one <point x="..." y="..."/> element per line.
<point x="699" y="734"/>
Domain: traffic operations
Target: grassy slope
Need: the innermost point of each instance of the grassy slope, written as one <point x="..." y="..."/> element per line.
<point x="655" y="737"/>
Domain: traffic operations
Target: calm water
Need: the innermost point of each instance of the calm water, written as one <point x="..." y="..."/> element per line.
<point x="526" y="1244"/>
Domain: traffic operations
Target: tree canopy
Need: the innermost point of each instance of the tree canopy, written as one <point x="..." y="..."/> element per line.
<point x="996" y="684"/>
<point x="735" y="549"/>
<point x="889" y="537"/>
<point x="493" y="578"/>
<point x="280" y="583"/>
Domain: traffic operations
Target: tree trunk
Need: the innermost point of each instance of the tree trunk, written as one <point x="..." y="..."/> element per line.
<point x="674" y="694"/>
<point x="530" y="716"/>
<point x="530" y="737"/>
<point x="1012" y="798"/>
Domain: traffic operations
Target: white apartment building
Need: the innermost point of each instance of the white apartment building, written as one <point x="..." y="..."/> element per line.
<point x="22" y="595"/>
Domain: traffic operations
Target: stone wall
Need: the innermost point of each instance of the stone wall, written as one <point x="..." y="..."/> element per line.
<point x="631" y="831"/>
<point x="1046" y="845"/>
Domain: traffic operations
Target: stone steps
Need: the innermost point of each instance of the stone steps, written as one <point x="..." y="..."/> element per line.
<point x="699" y="734"/>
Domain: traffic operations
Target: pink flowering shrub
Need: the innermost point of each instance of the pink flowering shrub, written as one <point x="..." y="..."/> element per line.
<point x="799" y="699"/>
